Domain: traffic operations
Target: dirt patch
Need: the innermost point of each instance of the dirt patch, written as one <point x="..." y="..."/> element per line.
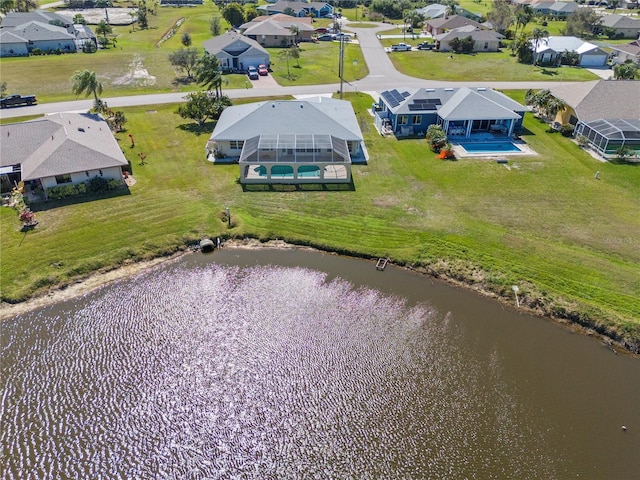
<point x="138" y="75"/>
<point x="93" y="16"/>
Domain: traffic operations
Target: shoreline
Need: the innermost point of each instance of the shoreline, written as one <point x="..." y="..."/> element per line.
<point x="99" y="279"/>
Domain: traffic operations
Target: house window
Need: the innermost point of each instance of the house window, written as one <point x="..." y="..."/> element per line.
<point x="486" y="45"/>
<point x="66" y="178"/>
<point x="236" y="144"/>
<point x="403" y="119"/>
<point x="416" y="119"/>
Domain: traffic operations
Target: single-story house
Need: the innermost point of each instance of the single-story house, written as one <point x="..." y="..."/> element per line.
<point x="278" y="30"/>
<point x="484" y="40"/>
<point x="555" y="9"/>
<point x="629" y="51"/>
<point x="624" y="26"/>
<point x="460" y="111"/>
<point x="602" y="111"/>
<point x="437" y="10"/>
<point x="23" y="32"/>
<point x="550" y="50"/>
<point x="60" y="149"/>
<point x="235" y="52"/>
<point x="437" y="26"/>
<point x="314" y="140"/>
<point x="299" y="8"/>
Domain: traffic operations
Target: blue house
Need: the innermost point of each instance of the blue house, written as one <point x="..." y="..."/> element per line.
<point x="460" y="111"/>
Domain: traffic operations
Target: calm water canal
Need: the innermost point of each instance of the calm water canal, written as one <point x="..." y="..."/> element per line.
<point x="289" y="364"/>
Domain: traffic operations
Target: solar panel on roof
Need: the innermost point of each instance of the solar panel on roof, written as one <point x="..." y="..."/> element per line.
<point x="405" y="94"/>
<point x="415" y="106"/>
<point x="435" y="101"/>
<point x="390" y="99"/>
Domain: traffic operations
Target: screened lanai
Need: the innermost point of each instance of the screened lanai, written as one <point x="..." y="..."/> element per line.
<point x="607" y="136"/>
<point x="291" y="158"/>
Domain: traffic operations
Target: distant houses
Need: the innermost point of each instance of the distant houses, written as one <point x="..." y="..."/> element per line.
<point x="483" y="40"/>
<point x="621" y="26"/>
<point x="438" y="26"/>
<point x="279" y="30"/>
<point x="22" y="34"/>
<point x="298" y="8"/>
<point x="627" y="52"/>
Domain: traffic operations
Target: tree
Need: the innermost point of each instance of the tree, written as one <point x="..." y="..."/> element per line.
<point x="6" y="6"/>
<point x="186" y="39"/>
<point x="537" y="36"/>
<point x="455" y="44"/>
<point x="184" y="59"/>
<point x="289" y="11"/>
<point x="582" y="22"/>
<point x="295" y="54"/>
<point x="104" y="29"/>
<point x="524" y="52"/>
<point x="501" y="15"/>
<point x="215" y="26"/>
<point x="115" y="120"/>
<point x="234" y="14"/>
<point x="143" y="22"/>
<point x="296" y="31"/>
<point x="25" y="5"/>
<point x="452" y="7"/>
<point x="207" y="73"/>
<point x="436" y="137"/>
<point x="202" y="106"/>
<point x="523" y="15"/>
<point x="625" y="71"/>
<point x="87" y="82"/>
<point x="78" y="19"/>
<point x="286" y="55"/>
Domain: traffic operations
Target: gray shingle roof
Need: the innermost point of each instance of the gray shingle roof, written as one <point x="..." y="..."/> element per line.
<point x="609" y="99"/>
<point x="60" y="144"/>
<point x="467" y="104"/>
<point x="296" y="117"/>
<point x="221" y="43"/>
<point x="619" y="21"/>
<point x="39" y="31"/>
<point x="13" y="19"/>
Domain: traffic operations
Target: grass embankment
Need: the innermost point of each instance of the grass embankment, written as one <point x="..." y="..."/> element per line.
<point x="567" y="240"/>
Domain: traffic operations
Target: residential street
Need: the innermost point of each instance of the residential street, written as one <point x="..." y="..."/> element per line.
<point x="382" y="76"/>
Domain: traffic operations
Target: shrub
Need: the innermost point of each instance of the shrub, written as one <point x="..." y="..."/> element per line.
<point x="97" y="185"/>
<point x="566" y="130"/>
<point x="582" y="141"/>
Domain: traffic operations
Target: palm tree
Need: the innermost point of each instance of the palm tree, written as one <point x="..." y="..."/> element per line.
<point x="537" y="35"/>
<point x="87" y="82"/>
<point x="296" y="31"/>
<point x="207" y="73"/>
<point x="524" y="14"/>
<point x="103" y="28"/>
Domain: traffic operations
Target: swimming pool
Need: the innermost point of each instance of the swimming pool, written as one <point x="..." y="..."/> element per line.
<point x="490" y="147"/>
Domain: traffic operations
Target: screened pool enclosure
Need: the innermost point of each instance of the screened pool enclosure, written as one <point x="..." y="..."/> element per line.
<point x="295" y="159"/>
<point x="607" y="136"/>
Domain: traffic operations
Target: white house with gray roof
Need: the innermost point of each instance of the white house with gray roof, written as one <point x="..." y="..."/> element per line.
<point x="23" y="32"/>
<point x="314" y="140"/>
<point x="550" y="50"/>
<point x="236" y="52"/>
<point x="59" y="149"/>
<point x="460" y="111"/>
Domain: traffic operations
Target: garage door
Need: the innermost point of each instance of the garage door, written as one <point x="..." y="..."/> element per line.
<point x="593" y="60"/>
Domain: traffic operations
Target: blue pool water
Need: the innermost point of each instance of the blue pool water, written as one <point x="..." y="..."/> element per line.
<point x="493" y="147"/>
<point x="285" y="171"/>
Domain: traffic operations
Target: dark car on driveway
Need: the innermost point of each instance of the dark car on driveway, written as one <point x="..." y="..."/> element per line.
<point x="425" y="46"/>
<point x="327" y="37"/>
<point x="252" y="72"/>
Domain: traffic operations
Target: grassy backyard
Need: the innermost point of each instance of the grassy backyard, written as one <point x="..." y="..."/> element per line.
<point x="569" y="241"/>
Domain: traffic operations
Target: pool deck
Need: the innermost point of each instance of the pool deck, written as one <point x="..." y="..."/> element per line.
<point x="485" y="139"/>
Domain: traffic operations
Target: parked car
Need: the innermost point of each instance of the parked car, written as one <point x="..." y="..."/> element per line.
<point x="16" y="100"/>
<point x="346" y="36"/>
<point x="322" y="30"/>
<point x="263" y="70"/>
<point x="425" y="46"/>
<point x="401" y="47"/>
<point x="253" y="73"/>
<point x="327" y="37"/>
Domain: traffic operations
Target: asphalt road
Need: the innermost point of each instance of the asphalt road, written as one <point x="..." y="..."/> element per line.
<point x="382" y="76"/>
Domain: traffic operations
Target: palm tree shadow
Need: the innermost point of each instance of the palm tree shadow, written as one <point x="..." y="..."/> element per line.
<point x="196" y="129"/>
<point x="550" y="73"/>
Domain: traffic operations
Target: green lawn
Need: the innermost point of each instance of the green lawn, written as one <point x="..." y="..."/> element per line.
<point x="569" y="241"/>
<point x="499" y="66"/>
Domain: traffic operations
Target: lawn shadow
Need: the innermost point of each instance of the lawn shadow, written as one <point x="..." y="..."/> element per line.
<point x="197" y="129"/>
<point x="44" y="205"/>
<point x="301" y="187"/>
<point x="550" y="73"/>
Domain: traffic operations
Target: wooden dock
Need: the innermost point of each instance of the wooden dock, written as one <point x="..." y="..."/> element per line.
<point x="382" y="263"/>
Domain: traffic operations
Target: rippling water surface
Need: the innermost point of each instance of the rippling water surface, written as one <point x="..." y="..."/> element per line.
<point x="205" y="370"/>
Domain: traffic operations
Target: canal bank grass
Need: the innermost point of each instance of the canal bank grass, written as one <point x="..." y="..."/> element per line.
<point x="569" y="241"/>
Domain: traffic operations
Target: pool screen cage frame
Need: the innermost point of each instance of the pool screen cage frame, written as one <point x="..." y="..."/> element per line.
<point x="295" y="149"/>
<point x="606" y="136"/>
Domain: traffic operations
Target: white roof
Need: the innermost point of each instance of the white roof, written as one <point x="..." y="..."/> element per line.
<point x="560" y="44"/>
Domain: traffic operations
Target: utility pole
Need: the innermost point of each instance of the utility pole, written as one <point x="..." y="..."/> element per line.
<point x="341" y="64"/>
